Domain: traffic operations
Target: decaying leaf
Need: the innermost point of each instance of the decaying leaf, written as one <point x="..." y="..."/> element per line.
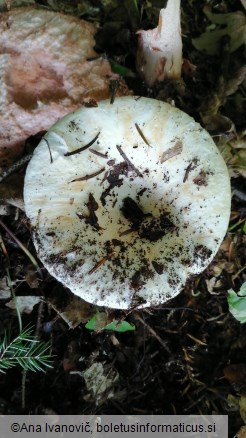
<point x="5" y="291"/>
<point x="76" y="311"/>
<point x="242" y="408"/>
<point x="239" y="403"/>
<point x="241" y="433"/>
<point x="218" y="124"/>
<point x="234" y="153"/>
<point x="211" y="285"/>
<point x="237" y="79"/>
<point x="100" y="379"/>
<point x="31" y="277"/>
<point x="237" y="163"/>
<point x="25" y="304"/>
<point x="232" y="24"/>
<point x="236" y="374"/>
<point x="48" y="67"/>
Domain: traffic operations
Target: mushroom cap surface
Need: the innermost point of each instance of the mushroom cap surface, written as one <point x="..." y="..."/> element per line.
<point x="135" y="201"/>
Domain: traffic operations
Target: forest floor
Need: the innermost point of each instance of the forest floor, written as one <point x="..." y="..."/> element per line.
<point x="189" y="355"/>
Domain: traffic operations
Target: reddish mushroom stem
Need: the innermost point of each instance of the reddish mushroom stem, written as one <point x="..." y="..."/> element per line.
<point x="160" y="49"/>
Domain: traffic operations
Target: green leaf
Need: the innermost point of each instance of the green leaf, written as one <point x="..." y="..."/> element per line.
<point x="116" y="326"/>
<point x="91" y="324"/>
<point x="237" y="303"/>
<point x="244" y="227"/>
<point x="122" y="326"/>
<point x="121" y="69"/>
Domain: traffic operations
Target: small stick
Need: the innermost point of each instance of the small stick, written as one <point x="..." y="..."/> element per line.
<point x="24" y="249"/>
<point x="100" y="263"/>
<point x="152" y="331"/>
<point x="83" y="148"/>
<point x="198" y="341"/>
<point x="124" y="233"/>
<point x="128" y="161"/>
<point x="92" y="175"/>
<point x="46" y="141"/>
<point x="189" y="168"/>
<point x="99" y="154"/>
<point x="114" y="84"/>
<point x="142" y="135"/>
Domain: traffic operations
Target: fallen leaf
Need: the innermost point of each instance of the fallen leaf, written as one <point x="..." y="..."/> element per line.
<point x="48" y="68"/>
<point x="100" y="379"/>
<point x="101" y="321"/>
<point x="232" y="24"/>
<point x="25" y="304"/>
<point x="242" y="408"/>
<point x="76" y="310"/>
<point x="31" y="278"/>
<point x="237" y="79"/>
<point x="241" y="433"/>
<point x="5" y="291"/>
<point x="237" y="163"/>
<point x="236" y="374"/>
<point x="218" y="124"/>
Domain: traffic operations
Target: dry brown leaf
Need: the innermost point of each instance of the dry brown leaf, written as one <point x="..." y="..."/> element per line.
<point x="76" y="311"/>
<point x="31" y="278"/>
<point x="241" y="433"/>
<point x="234" y="83"/>
<point x="48" y="67"/>
<point x="236" y="374"/>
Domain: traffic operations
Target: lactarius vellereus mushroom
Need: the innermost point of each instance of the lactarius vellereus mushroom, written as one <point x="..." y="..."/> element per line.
<point x="127" y="200"/>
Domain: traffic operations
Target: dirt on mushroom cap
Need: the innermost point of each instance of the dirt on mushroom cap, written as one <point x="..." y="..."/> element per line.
<point x="136" y="200"/>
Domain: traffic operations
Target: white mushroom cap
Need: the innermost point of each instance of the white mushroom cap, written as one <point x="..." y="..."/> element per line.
<point x="143" y="206"/>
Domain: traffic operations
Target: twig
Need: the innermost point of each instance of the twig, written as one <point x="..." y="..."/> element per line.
<point x="122" y="153"/>
<point x="142" y="135"/>
<point x="152" y="331"/>
<point x="83" y="148"/>
<point x="86" y="177"/>
<point x="24" y="249"/>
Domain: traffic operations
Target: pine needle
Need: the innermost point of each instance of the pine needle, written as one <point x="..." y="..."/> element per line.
<point x="24" y="350"/>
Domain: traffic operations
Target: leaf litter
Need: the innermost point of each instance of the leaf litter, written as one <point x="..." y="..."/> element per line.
<point x="200" y="334"/>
